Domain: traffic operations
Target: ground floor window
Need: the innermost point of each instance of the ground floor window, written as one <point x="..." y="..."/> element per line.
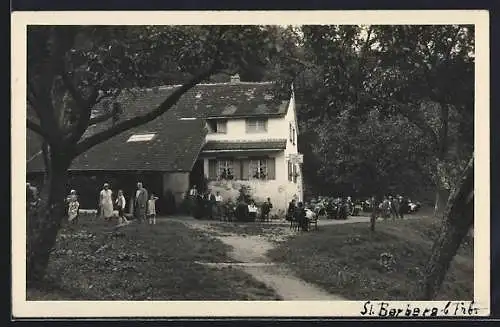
<point x="258" y="169"/>
<point x="242" y="168"/>
<point x="225" y="169"/>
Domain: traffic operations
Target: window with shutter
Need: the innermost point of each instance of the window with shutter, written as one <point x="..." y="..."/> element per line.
<point x="294" y="173"/>
<point x="290" y="172"/>
<point x="225" y="169"/>
<point x="258" y="169"/>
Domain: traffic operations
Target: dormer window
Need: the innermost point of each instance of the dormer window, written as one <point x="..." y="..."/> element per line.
<point x="256" y="125"/>
<point x="217" y="126"/>
<point x="141" y="137"/>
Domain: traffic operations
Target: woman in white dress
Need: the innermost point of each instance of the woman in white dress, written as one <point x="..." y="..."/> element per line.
<point x="106" y="202"/>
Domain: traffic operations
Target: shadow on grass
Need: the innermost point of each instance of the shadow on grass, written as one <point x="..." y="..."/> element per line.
<point x="386" y="265"/>
<point x="93" y="261"/>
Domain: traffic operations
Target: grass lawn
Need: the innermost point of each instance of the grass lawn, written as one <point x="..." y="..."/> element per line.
<point x="91" y="261"/>
<point x="348" y="260"/>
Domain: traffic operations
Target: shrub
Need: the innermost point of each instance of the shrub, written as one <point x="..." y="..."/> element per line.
<point x="204" y="185"/>
<point x="245" y="194"/>
<point x="241" y="212"/>
<point x="198" y="208"/>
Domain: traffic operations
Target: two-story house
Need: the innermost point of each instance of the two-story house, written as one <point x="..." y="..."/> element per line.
<point x="233" y="134"/>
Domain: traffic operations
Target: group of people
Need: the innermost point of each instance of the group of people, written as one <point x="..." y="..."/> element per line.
<point x="205" y="204"/>
<point x="212" y="206"/>
<point x="394" y="207"/>
<point x="333" y="208"/>
<point x="143" y="206"/>
<point x="298" y="214"/>
<point x="251" y="212"/>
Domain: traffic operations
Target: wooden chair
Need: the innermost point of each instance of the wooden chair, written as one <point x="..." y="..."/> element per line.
<point x="265" y="217"/>
<point x="313" y="222"/>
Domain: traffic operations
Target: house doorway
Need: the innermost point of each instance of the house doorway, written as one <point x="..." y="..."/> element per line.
<point x="197" y="175"/>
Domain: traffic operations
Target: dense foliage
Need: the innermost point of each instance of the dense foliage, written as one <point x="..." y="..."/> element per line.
<point x="386" y="108"/>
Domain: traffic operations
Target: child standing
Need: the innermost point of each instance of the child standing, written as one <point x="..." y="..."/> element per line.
<point x="73" y="206"/>
<point x="152" y="209"/>
<point x="120" y="206"/>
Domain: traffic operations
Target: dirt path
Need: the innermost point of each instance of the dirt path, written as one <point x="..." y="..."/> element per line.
<point x="251" y="252"/>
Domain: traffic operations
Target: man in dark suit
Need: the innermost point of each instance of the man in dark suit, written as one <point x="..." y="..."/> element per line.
<point x="140" y="203"/>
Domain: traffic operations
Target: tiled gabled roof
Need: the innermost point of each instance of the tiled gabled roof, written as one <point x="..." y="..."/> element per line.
<point x="175" y="147"/>
<point x="178" y="142"/>
<point x="244" y="99"/>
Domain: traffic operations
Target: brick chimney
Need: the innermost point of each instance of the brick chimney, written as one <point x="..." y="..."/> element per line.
<point x="235" y="78"/>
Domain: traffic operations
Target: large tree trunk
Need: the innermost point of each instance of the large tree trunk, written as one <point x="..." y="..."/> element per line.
<point x="457" y="221"/>
<point x="441" y="200"/>
<point x="43" y="224"/>
<point x="442" y="150"/>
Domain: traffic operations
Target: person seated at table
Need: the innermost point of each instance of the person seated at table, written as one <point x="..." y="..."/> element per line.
<point x="310" y="213"/>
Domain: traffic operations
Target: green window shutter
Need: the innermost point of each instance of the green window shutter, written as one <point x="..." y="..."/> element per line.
<point x="271" y="168"/>
<point x="212" y="169"/>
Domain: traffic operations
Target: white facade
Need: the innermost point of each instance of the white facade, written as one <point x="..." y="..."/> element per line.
<point x="282" y="183"/>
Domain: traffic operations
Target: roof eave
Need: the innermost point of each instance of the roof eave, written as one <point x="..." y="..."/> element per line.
<point x="273" y="115"/>
<point x="242" y="150"/>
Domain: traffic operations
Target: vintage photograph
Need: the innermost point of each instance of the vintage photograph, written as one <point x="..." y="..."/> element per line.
<point x="306" y="162"/>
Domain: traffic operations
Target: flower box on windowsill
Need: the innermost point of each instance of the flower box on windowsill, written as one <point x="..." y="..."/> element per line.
<point x="260" y="176"/>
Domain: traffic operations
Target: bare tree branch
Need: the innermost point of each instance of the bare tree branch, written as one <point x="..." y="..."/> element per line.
<point x="95" y="139"/>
